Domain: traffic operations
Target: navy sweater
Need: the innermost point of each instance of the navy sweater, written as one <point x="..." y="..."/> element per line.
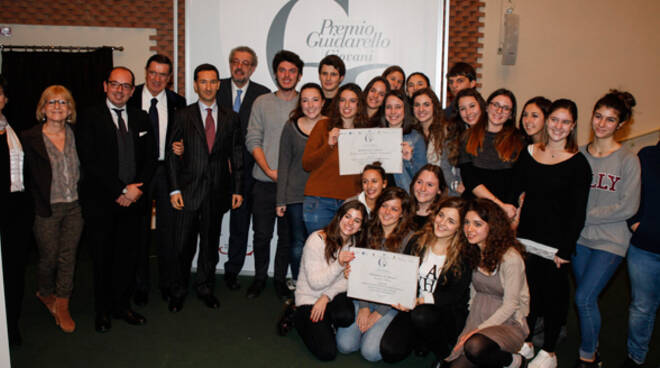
<point x="647" y="236"/>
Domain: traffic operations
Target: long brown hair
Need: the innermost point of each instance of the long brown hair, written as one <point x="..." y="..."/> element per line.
<point x="360" y="120"/>
<point x="508" y="142"/>
<point x="442" y="185"/>
<point x="333" y="241"/>
<point x="459" y="251"/>
<point x="500" y="235"/>
<point x="442" y="132"/>
<point x="375" y="234"/>
<point x="297" y="113"/>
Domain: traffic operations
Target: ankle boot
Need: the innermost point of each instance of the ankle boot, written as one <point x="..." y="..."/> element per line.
<point x="49" y="302"/>
<point x="62" y="316"/>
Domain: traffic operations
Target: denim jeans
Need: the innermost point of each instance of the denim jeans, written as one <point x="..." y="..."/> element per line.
<point x="350" y="339"/>
<point x="644" y="272"/>
<point x="297" y="234"/>
<point x="319" y="211"/>
<point x="593" y="269"/>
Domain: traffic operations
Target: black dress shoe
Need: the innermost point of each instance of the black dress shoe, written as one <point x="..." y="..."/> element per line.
<point x="210" y="301"/>
<point x="141" y="298"/>
<point x="102" y="323"/>
<point x="131" y="317"/>
<point x="231" y="280"/>
<point x="282" y="291"/>
<point x="175" y="304"/>
<point x="256" y="288"/>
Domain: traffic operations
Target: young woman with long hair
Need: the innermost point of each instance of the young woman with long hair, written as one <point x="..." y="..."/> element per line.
<point x="427" y="188"/>
<point x="291" y="177"/>
<point x="442" y="137"/>
<point x="445" y="272"/>
<point x="491" y="149"/>
<point x="321" y="302"/>
<point x="325" y="189"/>
<point x="555" y="178"/>
<point x="395" y="77"/>
<point x="532" y="120"/>
<point x="374" y="181"/>
<point x="374" y="95"/>
<point x="496" y="325"/>
<point x="468" y="109"/>
<point x="388" y="230"/>
<point x="613" y="198"/>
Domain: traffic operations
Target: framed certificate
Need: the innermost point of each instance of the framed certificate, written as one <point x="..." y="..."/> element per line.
<point x="359" y="147"/>
<point x="383" y="277"/>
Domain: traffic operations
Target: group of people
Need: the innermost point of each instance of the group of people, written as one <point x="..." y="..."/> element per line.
<point x="477" y="195"/>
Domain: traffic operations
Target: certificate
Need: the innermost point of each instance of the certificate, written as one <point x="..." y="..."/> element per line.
<point x="359" y="147"/>
<point x="538" y="249"/>
<point x="383" y="277"/>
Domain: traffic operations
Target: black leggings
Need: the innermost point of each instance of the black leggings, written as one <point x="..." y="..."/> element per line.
<point x="481" y="351"/>
<point x="428" y="325"/>
<point x="319" y="337"/>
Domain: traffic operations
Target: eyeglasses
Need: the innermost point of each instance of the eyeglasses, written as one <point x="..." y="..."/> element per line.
<point x="244" y="62"/>
<point x="61" y="102"/>
<point x="115" y="84"/>
<point x="499" y="107"/>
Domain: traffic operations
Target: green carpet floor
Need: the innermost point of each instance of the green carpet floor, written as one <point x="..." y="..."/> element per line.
<point x="240" y="333"/>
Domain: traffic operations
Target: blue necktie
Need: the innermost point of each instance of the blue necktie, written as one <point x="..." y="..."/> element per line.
<point x="237" y="101"/>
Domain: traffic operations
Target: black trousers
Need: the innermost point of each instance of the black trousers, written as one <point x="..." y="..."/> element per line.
<point x="263" y="215"/>
<point x="239" y="227"/>
<point x="113" y="236"/>
<point x="206" y="222"/>
<point x="319" y="337"/>
<point x="158" y="191"/>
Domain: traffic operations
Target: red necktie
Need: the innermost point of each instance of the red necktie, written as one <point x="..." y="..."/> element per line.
<point x="209" y="129"/>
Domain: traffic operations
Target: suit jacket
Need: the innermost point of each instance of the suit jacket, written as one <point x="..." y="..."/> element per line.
<point x="174" y="103"/>
<point x="201" y="175"/>
<point x="224" y="99"/>
<point x="96" y="139"/>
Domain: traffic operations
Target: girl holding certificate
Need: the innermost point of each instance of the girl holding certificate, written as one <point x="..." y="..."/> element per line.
<point x="442" y="137"/>
<point x="397" y="115"/>
<point x="496" y="326"/>
<point x="489" y="152"/>
<point x="388" y="230"/>
<point x="445" y="272"/>
<point x="427" y="188"/>
<point x="325" y="189"/>
<point x="613" y="198"/>
<point x="555" y="178"/>
<point x="321" y="302"/>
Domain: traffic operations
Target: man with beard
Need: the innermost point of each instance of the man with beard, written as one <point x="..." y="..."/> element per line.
<point x="269" y="114"/>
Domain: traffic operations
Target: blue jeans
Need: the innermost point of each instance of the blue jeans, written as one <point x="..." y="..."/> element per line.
<point x="350" y="339"/>
<point x="297" y="234"/>
<point x="644" y="272"/>
<point x="319" y="211"/>
<point x="593" y="269"/>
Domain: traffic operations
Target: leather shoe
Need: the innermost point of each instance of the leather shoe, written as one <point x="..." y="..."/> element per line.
<point x="175" y="304"/>
<point x="141" y="298"/>
<point x="210" y="301"/>
<point x="256" y="288"/>
<point x="131" y="317"/>
<point x="282" y="291"/>
<point x="102" y="323"/>
<point x="231" y="280"/>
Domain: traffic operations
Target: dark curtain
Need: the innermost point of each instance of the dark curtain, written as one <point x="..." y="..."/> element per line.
<point x="29" y="73"/>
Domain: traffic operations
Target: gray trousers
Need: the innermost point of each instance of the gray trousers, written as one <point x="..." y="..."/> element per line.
<point x="57" y="239"/>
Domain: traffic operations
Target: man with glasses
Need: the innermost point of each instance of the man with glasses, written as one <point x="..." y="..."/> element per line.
<point x="160" y="104"/>
<point x="117" y="158"/>
<point x="238" y="93"/>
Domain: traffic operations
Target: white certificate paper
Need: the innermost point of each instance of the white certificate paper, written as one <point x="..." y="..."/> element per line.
<point x="538" y="249"/>
<point x="383" y="277"/>
<point x="359" y="147"/>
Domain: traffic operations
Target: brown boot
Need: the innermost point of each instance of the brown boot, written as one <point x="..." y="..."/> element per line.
<point x="49" y="302"/>
<point x="62" y="316"/>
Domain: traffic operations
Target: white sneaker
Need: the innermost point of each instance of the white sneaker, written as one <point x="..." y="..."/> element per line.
<point x="543" y="360"/>
<point x="527" y="351"/>
<point x="291" y="284"/>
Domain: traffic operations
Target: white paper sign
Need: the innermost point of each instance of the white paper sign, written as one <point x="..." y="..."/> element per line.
<point x="359" y="147"/>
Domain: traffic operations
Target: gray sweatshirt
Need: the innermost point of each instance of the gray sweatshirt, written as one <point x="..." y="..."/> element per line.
<point x="267" y="119"/>
<point x="613" y="198"/>
<point x="291" y="178"/>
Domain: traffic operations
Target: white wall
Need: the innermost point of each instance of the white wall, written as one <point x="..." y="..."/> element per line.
<point x="579" y="50"/>
<point x="135" y="41"/>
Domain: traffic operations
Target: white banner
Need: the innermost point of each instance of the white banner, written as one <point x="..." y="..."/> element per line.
<point x="369" y="35"/>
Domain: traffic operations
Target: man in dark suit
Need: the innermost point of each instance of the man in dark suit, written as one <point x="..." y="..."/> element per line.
<point x="160" y="104"/>
<point x="205" y="182"/>
<point x="238" y="93"/>
<point x="117" y="158"/>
